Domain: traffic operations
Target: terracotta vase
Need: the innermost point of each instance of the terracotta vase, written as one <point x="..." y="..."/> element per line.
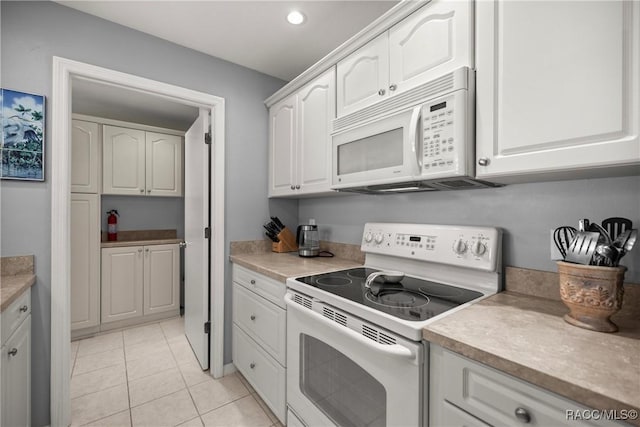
<point x="592" y="293"/>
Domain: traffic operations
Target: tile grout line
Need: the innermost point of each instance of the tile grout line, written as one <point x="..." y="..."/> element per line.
<point x="126" y="375"/>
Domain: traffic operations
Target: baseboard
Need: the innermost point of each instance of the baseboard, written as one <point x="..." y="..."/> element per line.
<point x="229" y="368"/>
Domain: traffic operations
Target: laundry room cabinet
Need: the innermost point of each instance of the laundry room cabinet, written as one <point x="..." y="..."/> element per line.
<point x="137" y="162"/>
<point x="432" y="41"/>
<point x="558" y="89"/>
<point x="300" y="140"/>
<point x="85" y="157"/>
<point x="139" y="281"/>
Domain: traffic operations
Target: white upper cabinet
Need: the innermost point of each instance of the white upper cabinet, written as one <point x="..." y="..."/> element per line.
<point x="316" y="111"/>
<point x="363" y="76"/>
<point x="300" y="140"/>
<point x="282" y="136"/>
<point x="558" y="89"/>
<point x="123" y="161"/>
<point x="85" y="155"/>
<point x="136" y="162"/>
<point x="163" y="165"/>
<point x="434" y="40"/>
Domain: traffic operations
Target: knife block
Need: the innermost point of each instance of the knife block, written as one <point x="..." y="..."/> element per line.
<point x="287" y="242"/>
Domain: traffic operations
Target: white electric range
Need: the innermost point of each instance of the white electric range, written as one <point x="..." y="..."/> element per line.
<point x="355" y="353"/>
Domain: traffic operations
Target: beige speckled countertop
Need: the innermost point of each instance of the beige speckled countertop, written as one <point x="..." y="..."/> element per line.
<point x="15" y="278"/>
<point x="280" y="266"/>
<point x="526" y="336"/>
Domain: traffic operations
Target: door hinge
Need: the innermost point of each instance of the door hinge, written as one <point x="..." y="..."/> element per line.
<point x="207" y="138"/>
<point x="207" y="327"/>
<point x="207" y="233"/>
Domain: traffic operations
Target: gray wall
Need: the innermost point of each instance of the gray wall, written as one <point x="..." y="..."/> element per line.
<point x="526" y="213"/>
<point x="145" y="213"/>
<point x="33" y="32"/>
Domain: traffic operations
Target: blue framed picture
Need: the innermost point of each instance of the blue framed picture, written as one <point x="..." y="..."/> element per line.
<point x="22" y="145"/>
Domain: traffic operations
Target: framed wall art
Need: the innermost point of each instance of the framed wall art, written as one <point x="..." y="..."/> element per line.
<point x="22" y="145"/>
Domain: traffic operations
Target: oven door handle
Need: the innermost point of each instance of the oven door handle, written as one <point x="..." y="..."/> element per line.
<point x="393" y="350"/>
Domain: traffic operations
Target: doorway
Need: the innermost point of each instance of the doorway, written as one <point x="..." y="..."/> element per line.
<point x="64" y="72"/>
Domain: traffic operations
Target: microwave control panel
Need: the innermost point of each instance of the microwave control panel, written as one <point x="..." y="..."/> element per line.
<point x="444" y="122"/>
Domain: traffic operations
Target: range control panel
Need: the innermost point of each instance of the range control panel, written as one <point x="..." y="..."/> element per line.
<point x="463" y="246"/>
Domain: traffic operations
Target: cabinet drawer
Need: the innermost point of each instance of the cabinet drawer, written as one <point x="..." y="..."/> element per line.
<point x="264" y="286"/>
<point x="265" y="374"/>
<point x="261" y="320"/>
<point x="13" y="315"/>
<point x="494" y="397"/>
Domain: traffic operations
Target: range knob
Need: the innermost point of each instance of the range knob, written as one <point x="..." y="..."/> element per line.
<point x="459" y="246"/>
<point x="368" y="237"/>
<point x="379" y="238"/>
<point x="478" y="248"/>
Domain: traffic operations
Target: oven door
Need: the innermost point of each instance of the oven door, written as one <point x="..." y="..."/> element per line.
<point x="337" y="376"/>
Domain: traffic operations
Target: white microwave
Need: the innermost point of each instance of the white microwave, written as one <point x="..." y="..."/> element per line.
<point x="419" y="140"/>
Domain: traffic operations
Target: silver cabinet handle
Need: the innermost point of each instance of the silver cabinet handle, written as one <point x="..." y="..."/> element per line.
<point x="146" y="250"/>
<point x="253" y="282"/>
<point x="24" y="308"/>
<point x="148" y="191"/>
<point x="297" y="187"/>
<point x="252" y="365"/>
<point x="13" y="351"/>
<point x="252" y="317"/>
<point x="140" y="250"/>
<point x="293" y="187"/>
<point x="183" y="244"/>
<point x="382" y="92"/>
<point x="142" y="190"/>
<point x="483" y="161"/>
<point x="393" y="87"/>
<point x="523" y="415"/>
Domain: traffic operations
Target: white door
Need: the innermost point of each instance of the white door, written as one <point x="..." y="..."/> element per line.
<point x="363" y="76"/>
<point x="163" y="165"/>
<point x="196" y="252"/>
<point x="557" y="88"/>
<point x="122" y="283"/>
<point x="85" y="260"/>
<point x="161" y="279"/>
<point x="316" y="111"/>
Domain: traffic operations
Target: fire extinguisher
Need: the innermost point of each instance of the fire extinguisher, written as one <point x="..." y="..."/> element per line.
<point x="112" y="225"/>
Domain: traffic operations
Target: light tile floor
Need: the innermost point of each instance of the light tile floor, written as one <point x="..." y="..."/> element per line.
<point x="149" y="376"/>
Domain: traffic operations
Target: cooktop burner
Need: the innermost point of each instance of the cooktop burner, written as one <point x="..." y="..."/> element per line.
<point x="409" y="299"/>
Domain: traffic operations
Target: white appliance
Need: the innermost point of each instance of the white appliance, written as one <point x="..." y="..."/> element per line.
<point x="419" y="140"/>
<point x="355" y="354"/>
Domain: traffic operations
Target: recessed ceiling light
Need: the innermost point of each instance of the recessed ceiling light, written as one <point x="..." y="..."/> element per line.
<point x="295" y="17"/>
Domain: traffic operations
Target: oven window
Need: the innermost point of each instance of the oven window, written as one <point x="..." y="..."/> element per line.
<point x="383" y="150"/>
<point x="341" y="389"/>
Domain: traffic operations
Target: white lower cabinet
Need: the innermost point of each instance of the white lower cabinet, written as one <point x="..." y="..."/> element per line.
<point x="467" y="393"/>
<point x="15" y="363"/>
<point x="259" y="336"/>
<point x="140" y="281"/>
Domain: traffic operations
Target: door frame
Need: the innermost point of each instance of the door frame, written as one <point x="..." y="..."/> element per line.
<point x="64" y="71"/>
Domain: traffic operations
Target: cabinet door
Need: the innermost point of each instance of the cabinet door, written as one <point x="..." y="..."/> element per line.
<point x="163" y="165"/>
<point x="282" y="137"/>
<point x="123" y="165"/>
<point x="161" y="279"/>
<point x="85" y="260"/>
<point x="363" y="76"/>
<point x="16" y="377"/>
<point x="435" y="40"/>
<point x="558" y="89"/>
<point x="122" y="275"/>
<point x="85" y="146"/>
<point x="316" y="110"/>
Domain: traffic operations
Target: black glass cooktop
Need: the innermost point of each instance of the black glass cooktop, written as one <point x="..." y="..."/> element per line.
<point x="409" y="299"/>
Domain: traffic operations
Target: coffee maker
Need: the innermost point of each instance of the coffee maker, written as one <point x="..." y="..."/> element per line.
<point x="308" y="240"/>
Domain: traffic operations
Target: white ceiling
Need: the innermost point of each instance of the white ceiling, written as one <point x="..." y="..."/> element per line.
<point x="254" y="34"/>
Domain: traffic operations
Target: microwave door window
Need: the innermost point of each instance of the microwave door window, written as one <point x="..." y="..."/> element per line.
<point x="380" y="151"/>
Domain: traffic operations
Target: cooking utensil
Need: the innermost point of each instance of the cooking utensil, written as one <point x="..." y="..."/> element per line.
<point x="608" y="255"/>
<point x="616" y="226"/>
<point x="562" y="237"/>
<point x="279" y="225"/>
<point x="388" y="276"/>
<point x="605" y="238"/>
<point x="583" y="224"/>
<point x="583" y="247"/>
<point x="628" y="245"/>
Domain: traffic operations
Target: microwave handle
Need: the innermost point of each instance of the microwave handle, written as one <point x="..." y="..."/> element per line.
<point x="415" y="134"/>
